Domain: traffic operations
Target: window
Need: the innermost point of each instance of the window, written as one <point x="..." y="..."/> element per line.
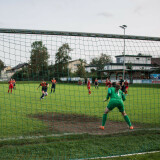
<point x="137" y="58"/>
<point x="118" y="60"/>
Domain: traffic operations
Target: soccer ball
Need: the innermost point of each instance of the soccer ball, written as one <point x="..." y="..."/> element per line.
<point x="46" y="94"/>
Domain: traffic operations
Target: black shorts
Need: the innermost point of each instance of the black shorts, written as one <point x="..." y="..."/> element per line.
<point x="44" y="89"/>
<point x="96" y="83"/>
<point x="53" y="86"/>
<point x="123" y="89"/>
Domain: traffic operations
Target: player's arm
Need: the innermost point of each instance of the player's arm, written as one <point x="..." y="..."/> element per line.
<point x="108" y="95"/>
<point x="39" y="86"/>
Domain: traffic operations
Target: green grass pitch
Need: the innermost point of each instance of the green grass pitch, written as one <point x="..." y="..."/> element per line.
<point x="142" y="105"/>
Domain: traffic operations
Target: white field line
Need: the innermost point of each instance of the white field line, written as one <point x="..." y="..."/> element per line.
<point x="125" y="155"/>
<point x="67" y="134"/>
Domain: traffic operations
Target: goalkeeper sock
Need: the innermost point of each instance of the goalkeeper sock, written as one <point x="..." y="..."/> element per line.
<point x="104" y="119"/>
<point x="127" y="120"/>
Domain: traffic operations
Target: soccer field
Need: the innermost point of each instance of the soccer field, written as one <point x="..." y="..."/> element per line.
<point x="23" y="113"/>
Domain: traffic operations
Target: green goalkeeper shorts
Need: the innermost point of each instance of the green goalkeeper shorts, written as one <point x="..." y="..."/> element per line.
<point x="116" y="103"/>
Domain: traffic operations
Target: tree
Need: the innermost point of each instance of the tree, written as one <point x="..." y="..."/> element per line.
<point x="81" y="72"/>
<point x="1" y="65"/>
<point x="39" y="57"/>
<point x="101" y="61"/>
<point x="62" y="58"/>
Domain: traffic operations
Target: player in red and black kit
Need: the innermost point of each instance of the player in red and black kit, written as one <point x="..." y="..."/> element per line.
<point x="10" y="85"/>
<point x="126" y="84"/>
<point x="108" y="83"/>
<point x="89" y="86"/>
<point x="96" y="83"/>
<point x="53" y="85"/>
<point x="44" y="88"/>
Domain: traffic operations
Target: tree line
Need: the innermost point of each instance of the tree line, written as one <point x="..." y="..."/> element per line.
<point x="39" y="68"/>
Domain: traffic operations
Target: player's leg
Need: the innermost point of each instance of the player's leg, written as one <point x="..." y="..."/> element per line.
<point x="126" y="90"/>
<point x="54" y="88"/>
<point x="89" y="92"/>
<point x="42" y="94"/>
<point x="104" y="118"/>
<point x="110" y="107"/>
<point x="126" y="118"/>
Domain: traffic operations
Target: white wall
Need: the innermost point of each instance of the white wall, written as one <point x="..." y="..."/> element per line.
<point x="138" y="60"/>
<point x="114" y="67"/>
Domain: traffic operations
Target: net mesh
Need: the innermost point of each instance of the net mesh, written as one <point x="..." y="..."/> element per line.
<point x="69" y="109"/>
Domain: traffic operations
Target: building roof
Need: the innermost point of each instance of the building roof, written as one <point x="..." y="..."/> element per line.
<point x="134" y="56"/>
<point x="121" y="64"/>
<point x="19" y="66"/>
<point x="75" y="60"/>
<point x="132" y="64"/>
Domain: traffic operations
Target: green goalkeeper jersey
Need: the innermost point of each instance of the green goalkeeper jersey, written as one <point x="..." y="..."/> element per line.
<point x="113" y="95"/>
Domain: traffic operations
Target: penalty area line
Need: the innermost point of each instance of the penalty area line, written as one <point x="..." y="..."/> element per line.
<point x="116" y="156"/>
<point x="68" y="134"/>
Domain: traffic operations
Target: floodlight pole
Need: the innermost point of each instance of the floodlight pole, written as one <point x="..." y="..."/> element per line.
<point x="124" y="49"/>
<point x="68" y="68"/>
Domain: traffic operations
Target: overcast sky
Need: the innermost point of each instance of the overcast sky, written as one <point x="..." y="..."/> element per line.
<point x="100" y="16"/>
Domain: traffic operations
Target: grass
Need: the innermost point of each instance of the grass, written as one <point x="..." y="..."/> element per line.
<point x="80" y="146"/>
<point x="142" y="106"/>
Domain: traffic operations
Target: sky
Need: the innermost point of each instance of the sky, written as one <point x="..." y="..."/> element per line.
<point x="94" y="16"/>
<point x="99" y="16"/>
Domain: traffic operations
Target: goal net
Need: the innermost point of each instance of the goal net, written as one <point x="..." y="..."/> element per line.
<point x="49" y="71"/>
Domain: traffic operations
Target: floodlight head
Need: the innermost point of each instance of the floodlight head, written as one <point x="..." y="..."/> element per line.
<point x="123" y="26"/>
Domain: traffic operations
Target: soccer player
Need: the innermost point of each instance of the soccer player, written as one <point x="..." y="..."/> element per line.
<point x="96" y="83"/>
<point x="44" y="89"/>
<point x="89" y="86"/>
<point x="10" y="85"/>
<point x="116" y="100"/>
<point x="14" y="84"/>
<point x="108" y="83"/>
<point x="53" y="84"/>
<point x="126" y="84"/>
<point x="121" y="82"/>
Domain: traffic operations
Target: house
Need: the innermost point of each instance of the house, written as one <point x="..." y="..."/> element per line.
<point x="19" y="67"/>
<point x="73" y="65"/>
<point x="5" y="74"/>
<point x="8" y="72"/>
<point x="136" y="67"/>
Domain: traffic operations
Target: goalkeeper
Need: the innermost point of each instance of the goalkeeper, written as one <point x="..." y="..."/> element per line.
<point x="116" y="100"/>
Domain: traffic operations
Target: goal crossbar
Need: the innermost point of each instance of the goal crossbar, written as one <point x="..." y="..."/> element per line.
<point x="81" y="34"/>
